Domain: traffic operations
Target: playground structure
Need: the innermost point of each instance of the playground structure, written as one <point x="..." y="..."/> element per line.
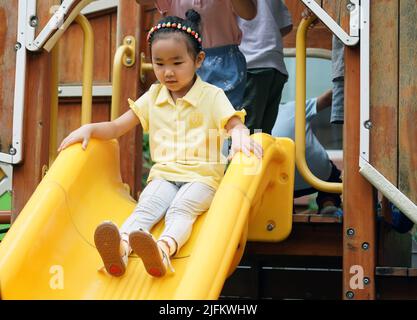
<point x="53" y="217"/>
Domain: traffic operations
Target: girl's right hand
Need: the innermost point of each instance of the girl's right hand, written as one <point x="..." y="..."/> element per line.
<point x="81" y="134"/>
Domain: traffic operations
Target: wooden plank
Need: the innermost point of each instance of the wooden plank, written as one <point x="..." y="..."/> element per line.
<point x="391" y="271"/>
<point x="407" y="179"/>
<point x="412" y="272"/>
<point x="71" y="52"/>
<point x="28" y="174"/>
<point x="384" y="85"/>
<point x="359" y="249"/>
<point x="396" y="288"/>
<point x="129" y="17"/>
<point x="316" y="218"/>
<point x="304" y="240"/>
<point x="319" y="37"/>
<point x="5" y="217"/>
<point x="69" y="115"/>
<point x="301" y="218"/>
<point x="8" y="34"/>
<point x="325" y="218"/>
<point x="150" y="18"/>
<point x="393" y="249"/>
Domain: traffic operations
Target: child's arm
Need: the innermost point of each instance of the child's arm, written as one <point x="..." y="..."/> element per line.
<point x="102" y="130"/>
<point x="241" y="140"/>
<point x="324" y="101"/>
<point x="246" y="9"/>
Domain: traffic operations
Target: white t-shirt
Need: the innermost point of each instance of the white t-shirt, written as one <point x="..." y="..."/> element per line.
<point x="316" y="156"/>
<point x="261" y="37"/>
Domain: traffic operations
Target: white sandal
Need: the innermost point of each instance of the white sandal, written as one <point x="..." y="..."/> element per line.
<point x="144" y="245"/>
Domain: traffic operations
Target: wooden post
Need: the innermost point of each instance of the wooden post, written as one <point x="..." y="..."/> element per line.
<point x="8" y="34"/>
<point x="131" y="144"/>
<point x="29" y="173"/>
<point x="359" y="243"/>
<point x="394" y="249"/>
<point x="407" y="150"/>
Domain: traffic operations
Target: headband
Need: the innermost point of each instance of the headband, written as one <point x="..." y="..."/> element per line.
<point x="177" y="26"/>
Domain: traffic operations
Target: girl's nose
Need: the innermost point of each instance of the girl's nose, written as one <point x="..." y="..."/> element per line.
<point x="169" y="73"/>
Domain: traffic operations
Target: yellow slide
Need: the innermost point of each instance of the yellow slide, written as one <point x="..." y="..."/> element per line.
<point x="49" y="252"/>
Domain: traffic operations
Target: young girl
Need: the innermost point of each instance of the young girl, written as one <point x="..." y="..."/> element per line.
<point x="225" y="65"/>
<point x="185" y="118"/>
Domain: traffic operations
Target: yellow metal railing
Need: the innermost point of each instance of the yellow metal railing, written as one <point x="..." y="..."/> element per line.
<point x="144" y="67"/>
<point x="87" y="81"/>
<point x="300" y="115"/>
<point x="125" y="55"/>
<point x="88" y="69"/>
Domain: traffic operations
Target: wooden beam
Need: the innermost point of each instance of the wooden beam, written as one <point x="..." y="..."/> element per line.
<point x="27" y="175"/>
<point x="129" y="19"/>
<point x="5" y="217"/>
<point x="327" y="242"/>
<point x="8" y="32"/>
<point x="384" y="87"/>
<point x="394" y="249"/>
<point x="407" y="179"/>
<point x="359" y="247"/>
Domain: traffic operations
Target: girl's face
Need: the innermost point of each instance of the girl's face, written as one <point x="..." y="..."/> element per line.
<point x="173" y="64"/>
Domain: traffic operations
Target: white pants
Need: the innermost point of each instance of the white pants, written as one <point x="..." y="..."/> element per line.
<point x="182" y="202"/>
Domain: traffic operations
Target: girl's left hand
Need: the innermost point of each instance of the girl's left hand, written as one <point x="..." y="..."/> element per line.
<point x="241" y="141"/>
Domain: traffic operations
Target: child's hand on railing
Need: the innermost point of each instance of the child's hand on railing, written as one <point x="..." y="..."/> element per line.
<point x="241" y="141"/>
<point x="81" y="134"/>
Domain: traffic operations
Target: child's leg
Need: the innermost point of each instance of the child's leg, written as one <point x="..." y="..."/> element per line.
<point x="191" y="200"/>
<point x="113" y="245"/>
<point x="153" y="202"/>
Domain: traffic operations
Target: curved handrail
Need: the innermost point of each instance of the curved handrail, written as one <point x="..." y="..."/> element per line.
<point x="125" y="55"/>
<point x="88" y="69"/>
<point x="87" y="81"/>
<point x="300" y="115"/>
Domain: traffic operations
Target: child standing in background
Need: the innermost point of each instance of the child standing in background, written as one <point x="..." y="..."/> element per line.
<point x="185" y="118"/>
<point x="266" y="76"/>
<point x="225" y="65"/>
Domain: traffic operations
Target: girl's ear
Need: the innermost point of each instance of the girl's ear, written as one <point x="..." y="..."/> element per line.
<point x="200" y="59"/>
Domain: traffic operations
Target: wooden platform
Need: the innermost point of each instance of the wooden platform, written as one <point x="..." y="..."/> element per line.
<point x="309" y="265"/>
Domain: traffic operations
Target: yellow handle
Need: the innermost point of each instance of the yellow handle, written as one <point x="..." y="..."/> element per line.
<point x="88" y="68"/>
<point x="87" y="81"/>
<point x="300" y="115"/>
<point x="144" y="67"/>
<point x="125" y="55"/>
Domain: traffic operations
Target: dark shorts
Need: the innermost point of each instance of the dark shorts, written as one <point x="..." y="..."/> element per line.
<point x="262" y="97"/>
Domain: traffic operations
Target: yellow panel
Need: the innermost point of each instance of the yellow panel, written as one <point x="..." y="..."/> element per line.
<point x="49" y="252"/>
<point x="271" y="212"/>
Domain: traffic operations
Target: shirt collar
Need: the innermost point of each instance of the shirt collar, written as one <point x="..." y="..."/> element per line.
<point x="191" y="97"/>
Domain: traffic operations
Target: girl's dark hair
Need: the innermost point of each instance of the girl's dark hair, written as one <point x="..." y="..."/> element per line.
<point x="192" y="21"/>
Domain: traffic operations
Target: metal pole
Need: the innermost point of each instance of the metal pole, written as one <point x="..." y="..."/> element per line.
<point x="300" y="116"/>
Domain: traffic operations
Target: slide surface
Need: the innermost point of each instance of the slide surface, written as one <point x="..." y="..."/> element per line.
<point x="49" y="252"/>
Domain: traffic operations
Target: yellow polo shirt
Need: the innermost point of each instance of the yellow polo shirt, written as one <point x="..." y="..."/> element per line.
<point x="186" y="136"/>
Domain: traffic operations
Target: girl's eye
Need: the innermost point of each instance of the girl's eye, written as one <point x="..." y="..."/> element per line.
<point x="177" y="63"/>
<point x="159" y="64"/>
